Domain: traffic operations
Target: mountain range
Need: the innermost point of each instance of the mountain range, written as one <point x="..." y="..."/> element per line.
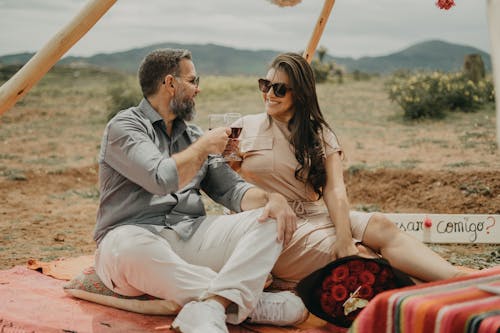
<point x="211" y="59"/>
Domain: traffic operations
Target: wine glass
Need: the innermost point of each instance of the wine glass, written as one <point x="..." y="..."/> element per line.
<point x="235" y="122"/>
<point x="215" y="120"/>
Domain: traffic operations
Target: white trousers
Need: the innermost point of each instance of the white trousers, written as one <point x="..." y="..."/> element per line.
<point x="229" y="256"/>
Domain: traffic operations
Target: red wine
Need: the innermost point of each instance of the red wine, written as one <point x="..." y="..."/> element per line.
<point x="235" y="132"/>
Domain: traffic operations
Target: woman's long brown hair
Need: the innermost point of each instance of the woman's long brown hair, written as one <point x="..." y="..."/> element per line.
<point x="307" y="123"/>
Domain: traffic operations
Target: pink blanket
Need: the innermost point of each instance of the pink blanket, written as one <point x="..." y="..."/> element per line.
<point x="33" y="302"/>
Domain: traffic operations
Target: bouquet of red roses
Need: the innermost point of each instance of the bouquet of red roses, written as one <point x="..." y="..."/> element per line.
<point x="341" y="289"/>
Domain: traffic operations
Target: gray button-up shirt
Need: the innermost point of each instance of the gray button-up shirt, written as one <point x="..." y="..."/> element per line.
<point x="138" y="178"/>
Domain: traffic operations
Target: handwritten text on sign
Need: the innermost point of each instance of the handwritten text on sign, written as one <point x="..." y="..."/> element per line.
<point x="450" y="228"/>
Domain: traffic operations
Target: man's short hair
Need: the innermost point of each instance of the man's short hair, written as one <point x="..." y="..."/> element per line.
<point x="158" y="64"/>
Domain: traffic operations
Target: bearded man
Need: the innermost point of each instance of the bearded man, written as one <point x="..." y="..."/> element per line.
<point x="152" y="232"/>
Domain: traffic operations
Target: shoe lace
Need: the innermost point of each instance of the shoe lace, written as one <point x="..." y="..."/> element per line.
<point x="268" y="310"/>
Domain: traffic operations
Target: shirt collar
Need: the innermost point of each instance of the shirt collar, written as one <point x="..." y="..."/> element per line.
<point x="149" y="112"/>
<point x="179" y="126"/>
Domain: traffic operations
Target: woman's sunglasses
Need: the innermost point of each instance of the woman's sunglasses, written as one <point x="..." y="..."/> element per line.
<point x="279" y="89"/>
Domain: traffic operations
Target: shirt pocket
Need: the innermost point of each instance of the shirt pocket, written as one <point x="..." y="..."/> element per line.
<point x="255" y="143"/>
<point x="257" y="153"/>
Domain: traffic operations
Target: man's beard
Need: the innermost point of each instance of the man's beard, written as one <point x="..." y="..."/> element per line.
<point x="183" y="108"/>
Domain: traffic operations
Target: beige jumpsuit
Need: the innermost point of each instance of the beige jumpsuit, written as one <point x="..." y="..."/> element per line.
<point x="269" y="162"/>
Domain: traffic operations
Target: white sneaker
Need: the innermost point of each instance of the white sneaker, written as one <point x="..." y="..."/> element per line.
<point x="201" y="317"/>
<point x="280" y="309"/>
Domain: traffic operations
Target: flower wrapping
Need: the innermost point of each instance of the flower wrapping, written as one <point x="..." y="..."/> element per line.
<point x="339" y="291"/>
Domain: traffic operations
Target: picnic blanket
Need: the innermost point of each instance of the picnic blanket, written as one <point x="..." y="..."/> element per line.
<point x="455" y="305"/>
<point x="35" y="302"/>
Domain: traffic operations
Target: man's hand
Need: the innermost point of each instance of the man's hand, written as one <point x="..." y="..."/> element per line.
<point x="213" y="141"/>
<point x="190" y="160"/>
<point x="277" y="208"/>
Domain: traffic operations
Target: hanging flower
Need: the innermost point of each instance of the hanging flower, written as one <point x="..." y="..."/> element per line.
<point x="285" y="3"/>
<point x="445" y="4"/>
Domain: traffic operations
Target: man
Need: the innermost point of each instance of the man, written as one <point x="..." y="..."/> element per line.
<point x="152" y="233"/>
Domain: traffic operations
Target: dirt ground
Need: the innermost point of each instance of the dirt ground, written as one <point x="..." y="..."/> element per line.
<point x="53" y="213"/>
<point x="49" y="193"/>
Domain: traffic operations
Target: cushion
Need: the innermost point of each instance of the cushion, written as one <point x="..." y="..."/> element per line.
<point x="340" y="290"/>
<point x="89" y="287"/>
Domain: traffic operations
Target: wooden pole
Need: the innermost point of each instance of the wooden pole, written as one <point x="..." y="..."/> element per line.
<point x="493" y="12"/>
<point x="19" y="84"/>
<point x="318" y="30"/>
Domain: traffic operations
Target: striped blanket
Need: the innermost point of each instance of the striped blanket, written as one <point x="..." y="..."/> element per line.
<point x="456" y="305"/>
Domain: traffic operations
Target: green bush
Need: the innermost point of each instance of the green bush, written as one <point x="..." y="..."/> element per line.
<point x="321" y="70"/>
<point x="432" y="94"/>
<point x="358" y="75"/>
<point x="463" y="94"/>
<point x="122" y="97"/>
<point x="418" y="95"/>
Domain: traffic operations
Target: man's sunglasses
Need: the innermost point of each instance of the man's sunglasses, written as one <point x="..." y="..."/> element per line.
<point x="194" y="81"/>
<point x="279" y="89"/>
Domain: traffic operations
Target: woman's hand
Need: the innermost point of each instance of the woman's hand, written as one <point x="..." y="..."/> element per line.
<point x="277" y="208"/>
<point x="344" y="247"/>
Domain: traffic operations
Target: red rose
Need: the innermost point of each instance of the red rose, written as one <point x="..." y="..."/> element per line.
<point x="327" y="303"/>
<point x="338" y="311"/>
<point x="384" y="276"/>
<point x="372" y="266"/>
<point x="327" y="283"/>
<point x="339" y="292"/>
<point x="365" y="292"/>
<point x="366" y="277"/>
<point x="351" y="283"/>
<point x="340" y="273"/>
<point x="356" y="266"/>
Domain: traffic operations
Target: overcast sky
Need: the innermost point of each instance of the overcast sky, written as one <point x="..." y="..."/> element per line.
<point x="355" y="28"/>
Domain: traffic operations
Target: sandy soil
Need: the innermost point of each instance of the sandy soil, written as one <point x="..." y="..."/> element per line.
<point x="52" y="214"/>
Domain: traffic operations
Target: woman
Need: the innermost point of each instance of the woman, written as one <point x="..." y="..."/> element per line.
<point x="292" y="150"/>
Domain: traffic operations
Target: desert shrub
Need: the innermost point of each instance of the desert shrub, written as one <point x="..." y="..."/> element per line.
<point x="418" y="95"/>
<point x="463" y="94"/>
<point x="358" y="75"/>
<point x="432" y="94"/>
<point x="7" y="71"/>
<point x="122" y="97"/>
<point x="321" y="70"/>
<point x="488" y="89"/>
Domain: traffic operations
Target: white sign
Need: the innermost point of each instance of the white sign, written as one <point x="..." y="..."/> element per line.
<point x="450" y="228"/>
